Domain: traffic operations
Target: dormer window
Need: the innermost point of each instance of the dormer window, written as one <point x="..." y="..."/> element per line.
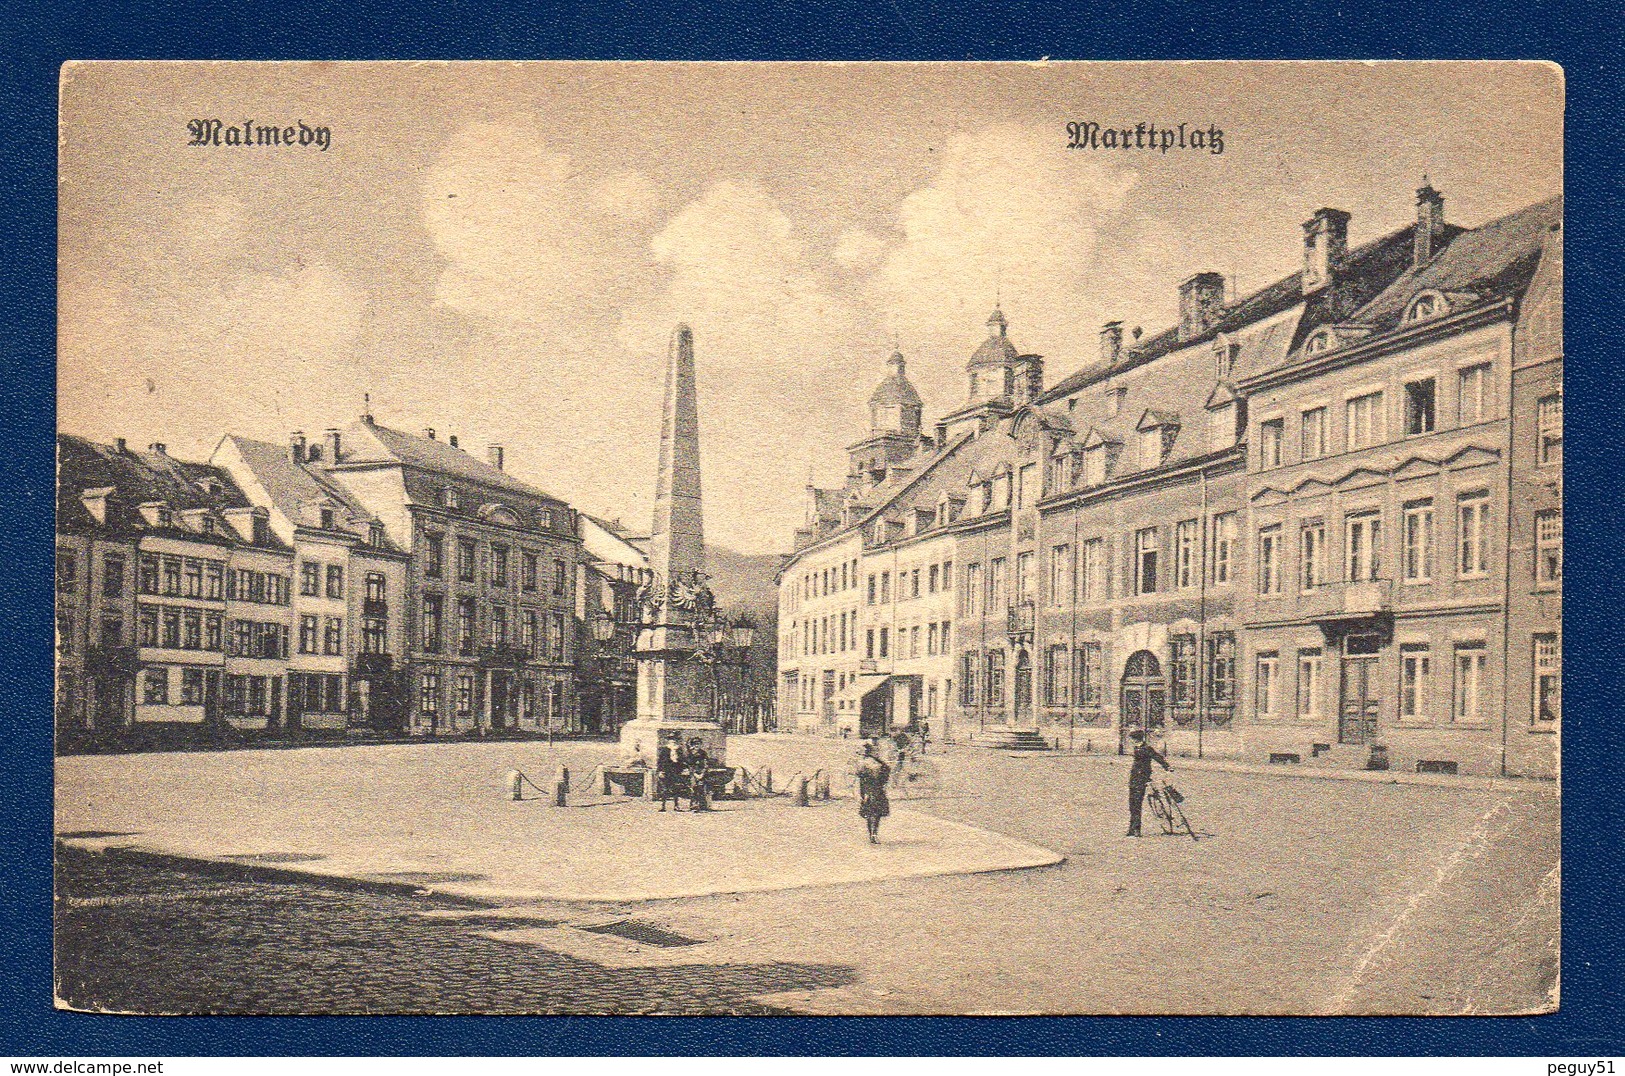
<point x="1114" y="399"/>
<point x="449" y="497"/>
<point x="1151" y="447"/>
<point x="1429" y="304"/>
<point x="205" y="525"/>
<point x="1094" y="465"/>
<point x="1321" y="341"/>
<point x="1224" y="357"/>
<point x="375" y="533"/>
<point x="544" y="519"/>
<point x="327" y="518"/>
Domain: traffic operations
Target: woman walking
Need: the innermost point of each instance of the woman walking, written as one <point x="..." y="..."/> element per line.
<point x="873" y="774"/>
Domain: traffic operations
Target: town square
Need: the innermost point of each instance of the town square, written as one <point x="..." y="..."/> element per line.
<point x="1097" y="583"/>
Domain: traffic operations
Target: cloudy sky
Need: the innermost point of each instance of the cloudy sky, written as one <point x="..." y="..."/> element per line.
<point x="501" y="250"/>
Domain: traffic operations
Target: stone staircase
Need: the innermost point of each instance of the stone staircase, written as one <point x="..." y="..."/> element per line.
<point x="1008" y="739"/>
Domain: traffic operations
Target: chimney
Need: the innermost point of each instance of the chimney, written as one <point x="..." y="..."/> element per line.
<point x="942" y="435"/>
<point x="428" y="431"/>
<point x="1325" y="241"/>
<point x="1201" y="304"/>
<point x="158" y="448"/>
<point x="1111" y="343"/>
<point x="332" y="439"/>
<point x="452" y="440"/>
<point x="296" y="446"/>
<point x="120" y="445"/>
<point x="1429" y="222"/>
<point x="493" y="453"/>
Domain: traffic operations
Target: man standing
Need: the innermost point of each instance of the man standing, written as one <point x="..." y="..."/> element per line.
<point x="1139" y="775"/>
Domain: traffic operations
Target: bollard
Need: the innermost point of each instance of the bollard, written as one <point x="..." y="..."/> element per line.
<point x="516" y="784"/>
<point x="801" y="792"/>
<point x="768" y="780"/>
<point x="561" y="787"/>
<point x="822" y="787"/>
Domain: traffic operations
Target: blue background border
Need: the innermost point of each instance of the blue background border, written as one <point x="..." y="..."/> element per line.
<point x="1586" y="43"/>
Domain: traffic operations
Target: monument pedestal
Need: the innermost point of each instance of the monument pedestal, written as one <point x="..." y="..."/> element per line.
<point x="674" y="697"/>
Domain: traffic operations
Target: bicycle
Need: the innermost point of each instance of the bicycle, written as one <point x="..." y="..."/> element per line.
<point x="1165" y="802"/>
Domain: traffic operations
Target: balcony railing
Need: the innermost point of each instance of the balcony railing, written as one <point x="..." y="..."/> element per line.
<point x="1348" y="600"/>
<point x="503" y="654"/>
<point x="374" y="607"/>
<point x="1019" y="620"/>
<point x="373" y="664"/>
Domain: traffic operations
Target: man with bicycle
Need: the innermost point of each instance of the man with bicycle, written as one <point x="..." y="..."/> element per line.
<point x="1139" y="776"/>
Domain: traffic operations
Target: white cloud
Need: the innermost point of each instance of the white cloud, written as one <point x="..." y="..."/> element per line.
<point x="859" y="249"/>
<point x="528" y="234"/>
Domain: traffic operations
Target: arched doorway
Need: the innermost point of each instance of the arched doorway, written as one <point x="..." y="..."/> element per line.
<point x="1024" y="689"/>
<point x="1144" y="695"/>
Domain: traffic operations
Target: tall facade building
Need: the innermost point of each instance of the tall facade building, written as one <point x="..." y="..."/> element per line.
<point x="1320" y="521"/>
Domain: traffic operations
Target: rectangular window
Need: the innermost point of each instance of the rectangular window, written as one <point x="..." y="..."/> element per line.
<point x="1548" y="680"/>
<point x="172" y="576"/>
<point x="1419" y="407"/>
<point x="1182" y="677"/>
<point x="1363" y="542"/>
<point x="191" y="687"/>
<point x="556" y="638"/>
<point x="465" y="626"/>
<point x="527" y="633"/>
<point x="1548" y="548"/>
<point x="914" y="641"/>
<point x="213" y="627"/>
<point x="147" y="625"/>
<point x="192" y="630"/>
<point x="885" y="643"/>
<point x="1267" y="682"/>
<point x="1225" y="530"/>
<point x="1145" y="560"/>
<point x="1269" y="443"/>
<point x="1092" y="571"/>
<point x="1365" y="421"/>
<point x="1472" y="535"/>
<point x="1472" y="394"/>
<point x="194" y="578"/>
<point x="1309" y="693"/>
<point x="112" y="575"/>
<point x="214" y="574"/>
<point x="1027" y="486"/>
<point x="1094" y="465"/>
<point x="155" y="686"/>
<point x="1026" y="578"/>
<point x="914" y="583"/>
<point x="1221" y="427"/>
<point x="1269" y="559"/>
<point x="333" y="643"/>
<point x="172" y="629"/>
<point x="1469" y="689"/>
<point x="499" y="566"/>
<point x="1186" y="554"/>
<point x="64" y="632"/>
<point x="1416" y="538"/>
<point x="528" y="571"/>
<point x="930" y="639"/>
<point x="995" y="678"/>
<point x="335" y="581"/>
<point x="1549" y="430"/>
<point x="885" y="588"/>
<point x="467" y="554"/>
<point x="1312" y="555"/>
<point x="1055" y="675"/>
<point x="1088" y="661"/>
<point x="1314" y="434"/>
<point x="308" y="629"/>
<point x="869" y="644"/>
<point x="1150" y="447"/>
<point x="1060" y="575"/>
<point x="1221" y="673"/>
<point x="465" y="694"/>
<point x="561" y="579"/>
<point x="968" y="680"/>
<point x="146" y="580"/>
<point x="995" y="585"/>
<point x="429" y="692"/>
<point x="499" y="625"/>
<point x="434" y="558"/>
<point x="873" y="591"/>
<point x="310" y="579"/>
<point x="930" y="579"/>
<point x="1414" y="669"/>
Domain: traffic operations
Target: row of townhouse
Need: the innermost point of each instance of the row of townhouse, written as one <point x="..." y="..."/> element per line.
<point x="1321" y="521"/>
<point x="372" y="579"/>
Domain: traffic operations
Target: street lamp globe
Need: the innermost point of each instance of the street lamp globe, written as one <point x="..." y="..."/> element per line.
<point x="744" y="633"/>
<point x="603" y="626"/>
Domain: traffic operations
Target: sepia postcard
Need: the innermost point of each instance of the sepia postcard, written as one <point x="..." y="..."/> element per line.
<point x="809" y="538"/>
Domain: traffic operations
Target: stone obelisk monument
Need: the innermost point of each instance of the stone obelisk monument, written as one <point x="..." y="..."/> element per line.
<point x="675" y="689"/>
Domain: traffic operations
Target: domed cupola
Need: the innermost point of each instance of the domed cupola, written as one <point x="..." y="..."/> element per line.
<point x="991" y="366"/>
<point x="895" y="407"/>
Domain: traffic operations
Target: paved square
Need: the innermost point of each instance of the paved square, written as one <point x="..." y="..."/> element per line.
<point x="439" y="817"/>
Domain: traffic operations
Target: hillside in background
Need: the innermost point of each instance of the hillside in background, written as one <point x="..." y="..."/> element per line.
<point x="743" y="582"/>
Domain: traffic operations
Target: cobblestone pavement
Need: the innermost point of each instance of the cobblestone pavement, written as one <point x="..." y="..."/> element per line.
<point x="1304" y="896"/>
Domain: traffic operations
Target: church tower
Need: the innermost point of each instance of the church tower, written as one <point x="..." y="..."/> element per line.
<point x="894" y="424"/>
